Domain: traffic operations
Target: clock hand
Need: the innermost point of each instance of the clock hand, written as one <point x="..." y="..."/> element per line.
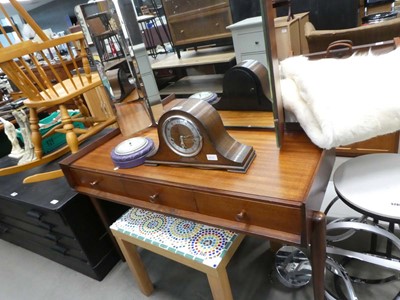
<point x="182" y="139"/>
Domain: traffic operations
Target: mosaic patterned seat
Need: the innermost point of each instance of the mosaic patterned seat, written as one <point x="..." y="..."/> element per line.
<point x="204" y="248"/>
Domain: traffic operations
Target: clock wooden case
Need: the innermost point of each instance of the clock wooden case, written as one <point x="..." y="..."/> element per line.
<point x="193" y="134"/>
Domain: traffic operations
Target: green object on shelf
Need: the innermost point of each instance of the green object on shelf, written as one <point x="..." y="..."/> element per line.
<point x="57" y="139"/>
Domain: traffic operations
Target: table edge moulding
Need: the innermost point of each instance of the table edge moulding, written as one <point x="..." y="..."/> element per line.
<point x="279" y="197"/>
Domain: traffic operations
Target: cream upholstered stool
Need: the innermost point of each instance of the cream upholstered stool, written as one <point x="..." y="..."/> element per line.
<point x="204" y="248"/>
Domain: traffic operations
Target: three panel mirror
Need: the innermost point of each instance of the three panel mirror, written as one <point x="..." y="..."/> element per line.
<point x="135" y="41"/>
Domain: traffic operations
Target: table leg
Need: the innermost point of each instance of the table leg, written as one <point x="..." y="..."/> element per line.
<point x="106" y="222"/>
<point x="318" y="254"/>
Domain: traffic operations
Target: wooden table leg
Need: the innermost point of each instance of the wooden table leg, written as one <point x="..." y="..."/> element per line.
<point x="106" y="222"/>
<point x="318" y="254"/>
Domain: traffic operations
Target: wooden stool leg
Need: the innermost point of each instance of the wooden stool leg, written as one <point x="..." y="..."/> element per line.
<point x="219" y="284"/>
<point x="136" y="266"/>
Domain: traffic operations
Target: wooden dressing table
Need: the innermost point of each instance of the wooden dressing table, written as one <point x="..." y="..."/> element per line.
<point x="279" y="197"/>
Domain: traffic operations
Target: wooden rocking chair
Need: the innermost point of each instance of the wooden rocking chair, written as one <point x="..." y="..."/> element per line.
<point x="46" y="87"/>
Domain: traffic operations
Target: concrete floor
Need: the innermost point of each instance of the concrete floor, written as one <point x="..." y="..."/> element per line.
<point x="25" y="275"/>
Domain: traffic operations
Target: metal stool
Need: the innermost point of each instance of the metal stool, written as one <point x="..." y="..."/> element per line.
<point x="293" y="270"/>
<point x="369" y="184"/>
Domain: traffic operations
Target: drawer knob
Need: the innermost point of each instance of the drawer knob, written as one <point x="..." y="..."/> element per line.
<point x="52" y="237"/>
<point x="241" y="216"/>
<point x="217" y="24"/>
<point x="182" y="31"/>
<point x="154" y="198"/>
<point x="256" y="42"/>
<point x="46" y="225"/>
<point x="94" y="183"/>
<point x="59" y="249"/>
<point x="34" y="214"/>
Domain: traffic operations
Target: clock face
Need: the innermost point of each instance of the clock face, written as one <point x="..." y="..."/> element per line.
<point x="209" y="97"/>
<point x="182" y="136"/>
<point x="131" y="146"/>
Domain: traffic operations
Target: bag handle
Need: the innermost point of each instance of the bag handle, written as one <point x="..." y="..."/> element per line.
<point x="339" y="44"/>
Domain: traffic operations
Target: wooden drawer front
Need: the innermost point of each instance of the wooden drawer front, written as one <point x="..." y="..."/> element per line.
<point x="98" y="182"/>
<point x="275" y="217"/>
<point x="201" y="28"/>
<point x="174" y="7"/>
<point x="156" y="194"/>
<point x="250" y="42"/>
<point x="172" y="197"/>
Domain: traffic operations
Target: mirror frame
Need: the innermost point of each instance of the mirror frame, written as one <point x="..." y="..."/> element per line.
<point x="268" y="15"/>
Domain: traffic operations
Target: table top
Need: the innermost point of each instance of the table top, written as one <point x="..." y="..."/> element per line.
<point x="202" y="56"/>
<point x="293" y="177"/>
<point x="371" y="185"/>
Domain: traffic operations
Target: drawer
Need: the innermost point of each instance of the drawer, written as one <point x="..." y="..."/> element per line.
<point x="153" y="193"/>
<point x="43" y="232"/>
<point x="285" y="218"/>
<point x="53" y="243"/>
<point x="62" y="255"/>
<point x="16" y="236"/>
<point x="91" y="249"/>
<point x="201" y="28"/>
<point x="250" y="42"/>
<point x="48" y="221"/>
<point x="162" y="195"/>
<point x="174" y="7"/>
<point x="98" y="182"/>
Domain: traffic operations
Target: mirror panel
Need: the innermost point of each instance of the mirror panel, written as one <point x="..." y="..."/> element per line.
<point x="122" y="61"/>
<point x="190" y="57"/>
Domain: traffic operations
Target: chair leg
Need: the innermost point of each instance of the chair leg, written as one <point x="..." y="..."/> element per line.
<point x="83" y="110"/>
<point x="136" y="266"/>
<point x="36" y="137"/>
<point x="72" y="139"/>
<point x="219" y="284"/>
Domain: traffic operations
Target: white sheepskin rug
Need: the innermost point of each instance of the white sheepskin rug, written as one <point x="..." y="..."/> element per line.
<point x="343" y="101"/>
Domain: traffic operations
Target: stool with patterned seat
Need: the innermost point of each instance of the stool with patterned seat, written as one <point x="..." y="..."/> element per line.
<point x="204" y="248"/>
